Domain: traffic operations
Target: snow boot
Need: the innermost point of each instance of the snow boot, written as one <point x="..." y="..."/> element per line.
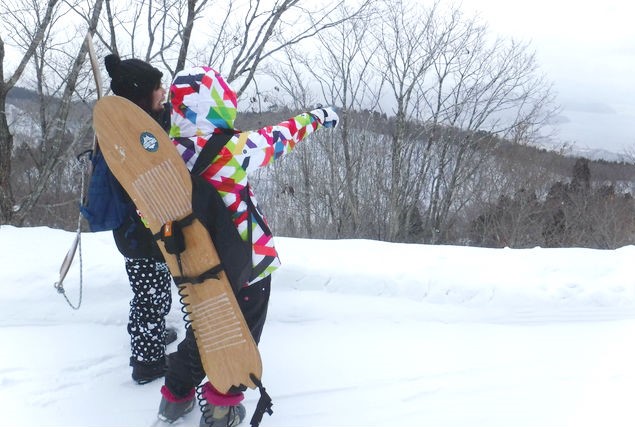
<point x="170" y="336"/>
<point x="222" y="416"/>
<point x="221" y="410"/>
<point x="172" y="408"/>
<point x="145" y="372"/>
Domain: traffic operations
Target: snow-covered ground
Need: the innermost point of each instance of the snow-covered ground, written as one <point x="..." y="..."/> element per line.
<point x="359" y="333"/>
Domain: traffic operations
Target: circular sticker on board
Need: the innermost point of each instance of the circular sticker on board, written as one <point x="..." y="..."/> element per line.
<point x="149" y="142"/>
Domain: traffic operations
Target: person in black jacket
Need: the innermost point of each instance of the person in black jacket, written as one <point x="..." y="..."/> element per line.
<point x="147" y="271"/>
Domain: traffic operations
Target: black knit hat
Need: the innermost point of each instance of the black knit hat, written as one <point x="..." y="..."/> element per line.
<point x="133" y="79"/>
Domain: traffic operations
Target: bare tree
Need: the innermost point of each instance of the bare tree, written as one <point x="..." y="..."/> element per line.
<point x="55" y="75"/>
<point x="13" y="14"/>
<point x="477" y="87"/>
<point x="338" y="68"/>
<point x="154" y="30"/>
<point x="236" y="37"/>
<point x="453" y="95"/>
<point x="515" y="221"/>
<point x="266" y="29"/>
<point x="408" y="45"/>
<point x="444" y="74"/>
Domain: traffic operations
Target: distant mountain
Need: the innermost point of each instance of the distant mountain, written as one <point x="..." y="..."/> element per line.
<point x="20" y="93"/>
<point x="599" y="154"/>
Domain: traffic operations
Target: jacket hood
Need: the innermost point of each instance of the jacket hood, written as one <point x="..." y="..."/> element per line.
<point x="202" y="103"/>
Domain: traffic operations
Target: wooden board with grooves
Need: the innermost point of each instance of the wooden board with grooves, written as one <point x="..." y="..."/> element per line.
<point x="148" y="166"/>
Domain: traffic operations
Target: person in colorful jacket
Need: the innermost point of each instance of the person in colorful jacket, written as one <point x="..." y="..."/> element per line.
<point x="203" y="104"/>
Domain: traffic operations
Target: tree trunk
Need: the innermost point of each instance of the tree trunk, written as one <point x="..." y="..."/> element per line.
<point x="6" y="148"/>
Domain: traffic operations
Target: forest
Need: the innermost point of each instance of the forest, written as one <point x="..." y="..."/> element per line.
<point x="442" y="126"/>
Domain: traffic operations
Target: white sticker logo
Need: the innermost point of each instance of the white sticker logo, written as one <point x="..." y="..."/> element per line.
<point x="149" y="142"/>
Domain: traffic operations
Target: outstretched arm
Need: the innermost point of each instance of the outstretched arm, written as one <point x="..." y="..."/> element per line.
<point x="256" y="149"/>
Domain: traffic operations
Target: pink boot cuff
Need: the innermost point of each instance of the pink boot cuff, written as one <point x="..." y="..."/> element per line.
<point x="217" y="398"/>
<point x="172" y="398"/>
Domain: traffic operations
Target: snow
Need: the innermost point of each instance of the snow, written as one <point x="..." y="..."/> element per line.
<point x="359" y="333"/>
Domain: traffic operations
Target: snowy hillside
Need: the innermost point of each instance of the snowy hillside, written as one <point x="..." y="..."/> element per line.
<point x="359" y="333"/>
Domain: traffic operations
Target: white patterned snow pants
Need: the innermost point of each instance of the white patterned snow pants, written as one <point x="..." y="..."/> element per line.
<point x="151" y="284"/>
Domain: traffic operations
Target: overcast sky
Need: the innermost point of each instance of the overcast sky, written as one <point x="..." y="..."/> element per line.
<point x="587" y="49"/>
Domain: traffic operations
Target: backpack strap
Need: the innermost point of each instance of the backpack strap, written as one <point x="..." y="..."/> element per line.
<point x="211" y="149"/>
<point x="171" y="233"/>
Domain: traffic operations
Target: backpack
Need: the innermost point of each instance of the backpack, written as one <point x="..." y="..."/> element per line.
<point x="107" y="205"/>
<point x="209" y="208"/>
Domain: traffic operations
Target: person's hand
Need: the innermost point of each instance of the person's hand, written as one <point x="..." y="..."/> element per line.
<point x="326" y="116"/>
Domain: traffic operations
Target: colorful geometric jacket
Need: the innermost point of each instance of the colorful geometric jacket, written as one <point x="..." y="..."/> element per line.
<point x="204" y="104"/>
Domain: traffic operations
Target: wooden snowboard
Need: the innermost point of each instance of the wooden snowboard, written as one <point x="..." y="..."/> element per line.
<point x="148" y="166"/>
